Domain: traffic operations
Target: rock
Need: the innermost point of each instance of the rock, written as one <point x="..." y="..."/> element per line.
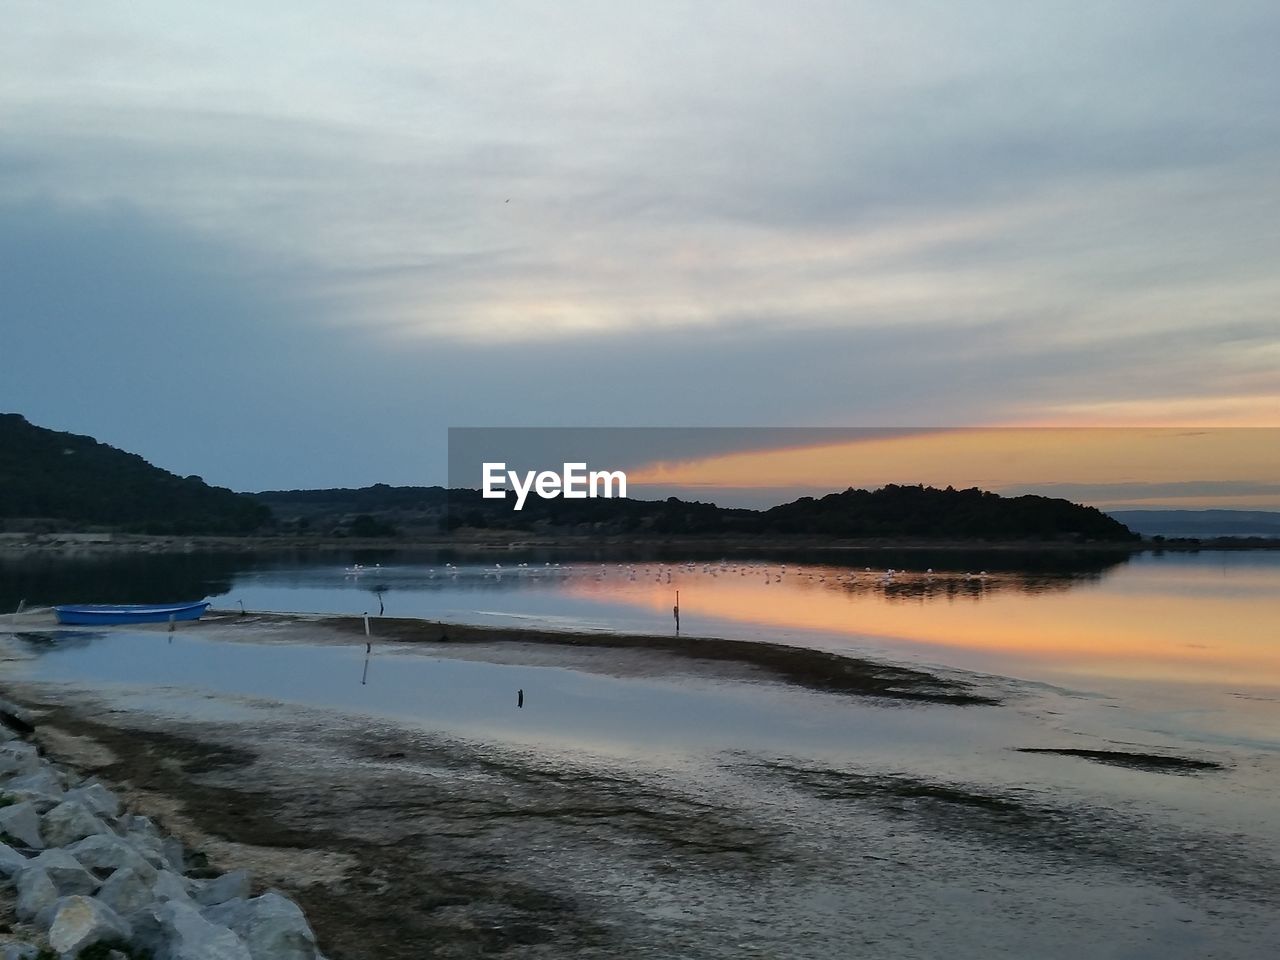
<point x="17" y="717"/>
<point x="17" y="758"/>
<point x="135" y="823"/>
<point x="98" y="799"/>
<point x="230" y="886"/>
<point x="170" y="886"/>
<point x="232" y="913"/>
<point x="11" y="861"/>
<point x="36" y="892"/>
<point x="142" y="834"/>
<point x="67" y="873"/>
<point x="148" y="933"/>
<point x="70" y="821"/>
<point x="272" y="926"/>
<point x="189" y="936"/>
<point x="174" y="854"/>
<point x="43" y="788"/>
<point x="18" y="951"/>
<point x="109" y="852"/>
<point x="79" y="922"/>
<point x="20" y="821"/>
<point x="126" y="891"/>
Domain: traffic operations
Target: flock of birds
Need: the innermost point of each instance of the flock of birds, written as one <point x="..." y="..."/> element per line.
<point x="664" y="572"/>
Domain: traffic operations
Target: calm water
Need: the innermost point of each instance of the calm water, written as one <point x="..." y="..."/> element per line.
<point x="1176" y="653"/>
<point x="1187" y="640"/>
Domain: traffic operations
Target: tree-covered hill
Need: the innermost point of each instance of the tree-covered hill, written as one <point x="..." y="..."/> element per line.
<point x="950" y="514"/>
<point x="892" y="512"/>
<point x="47" y="475"/>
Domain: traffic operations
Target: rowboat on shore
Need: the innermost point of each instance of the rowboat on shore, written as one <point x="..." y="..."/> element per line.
<point x="114" y="613"/>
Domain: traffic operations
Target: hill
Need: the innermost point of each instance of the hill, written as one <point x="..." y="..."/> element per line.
<point x="950" y="514"/>
<point x="892" y="512"/>
<point x="59" y="478"/>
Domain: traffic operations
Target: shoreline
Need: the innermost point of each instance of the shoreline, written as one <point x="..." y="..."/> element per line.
<point x="805" y="667"/>
<point x="92" y="869"/>
<point x="400" y="842"/>
<point x="106" y="544"/>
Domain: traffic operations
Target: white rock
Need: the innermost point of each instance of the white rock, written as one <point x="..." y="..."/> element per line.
<point x="22" y="822"/>
<point x="97" y="798"/>
<point x="189" y="936"/>
<point x="148" y="934"/>
<point x="35" y="892"/>
<point x="232" y="913"/>
<point x="170" y="886"/>
<point x="43" y="787"/>
<point x="109" y="852"/>
<point x="66" y="872"/>
<point x="174" y="855"/>
<point x="272" y="926"/>
<point x="143" y="836"/>
<point x="79" y="922"/>
<point x="68" y="822"/>
<point x="136" y="823"/>
<point x="17" y="757"/>
<point x="11" y="861"/>
<point x="126" y="891"/>
<point x="229" y="886"/>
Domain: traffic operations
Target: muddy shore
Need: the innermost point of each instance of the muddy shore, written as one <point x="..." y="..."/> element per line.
<point x="814" y="669"/>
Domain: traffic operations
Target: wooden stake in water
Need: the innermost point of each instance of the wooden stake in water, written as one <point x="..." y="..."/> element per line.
<point x="366" y="624"/>
<point x="173" y="622"/>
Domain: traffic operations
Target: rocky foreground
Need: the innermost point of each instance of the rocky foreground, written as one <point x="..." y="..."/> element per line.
<point x="88" y="879"/>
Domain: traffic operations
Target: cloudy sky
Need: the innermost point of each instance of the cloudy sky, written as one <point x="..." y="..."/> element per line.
<point x="290" y="244"/>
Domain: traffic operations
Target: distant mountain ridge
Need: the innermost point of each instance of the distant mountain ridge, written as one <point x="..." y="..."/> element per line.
<point x="47" y="475"/>
<point x="1201" y="524"/>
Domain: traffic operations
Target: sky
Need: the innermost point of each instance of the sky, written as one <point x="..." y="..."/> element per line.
<point x="291" y="245"/>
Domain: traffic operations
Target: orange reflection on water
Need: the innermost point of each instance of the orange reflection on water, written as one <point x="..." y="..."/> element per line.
<point x="1130" y="625"/>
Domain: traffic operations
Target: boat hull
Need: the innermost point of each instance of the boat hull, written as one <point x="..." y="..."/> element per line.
<point x="100" y="614"/>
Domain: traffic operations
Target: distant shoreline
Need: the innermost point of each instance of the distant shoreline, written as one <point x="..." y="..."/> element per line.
<point x="81" y="544"/>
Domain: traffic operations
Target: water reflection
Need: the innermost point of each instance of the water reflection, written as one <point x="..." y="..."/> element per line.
<point x="625" y="716"/>
<point x="1185" y="618"/>
<point x="44" y="580"/>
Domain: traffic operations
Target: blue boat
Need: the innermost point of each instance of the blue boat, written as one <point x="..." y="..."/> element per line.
<point x="101" y="614"/>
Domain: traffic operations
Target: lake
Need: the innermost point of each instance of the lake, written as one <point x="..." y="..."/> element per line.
<point x="988" y="849"/>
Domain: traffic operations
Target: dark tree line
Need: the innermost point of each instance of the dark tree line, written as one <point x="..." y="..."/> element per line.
<point x="894" y="511"/>
<point x="49" y="475"/>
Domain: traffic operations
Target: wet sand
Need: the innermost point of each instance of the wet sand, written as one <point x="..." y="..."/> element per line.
<point x="814" y="669"/>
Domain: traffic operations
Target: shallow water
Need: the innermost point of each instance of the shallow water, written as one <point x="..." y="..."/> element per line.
<point x="1185" y="643"/>
<point x="908" y="831"/>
